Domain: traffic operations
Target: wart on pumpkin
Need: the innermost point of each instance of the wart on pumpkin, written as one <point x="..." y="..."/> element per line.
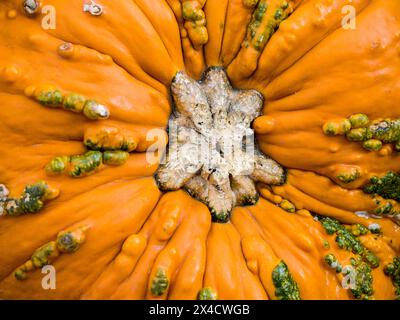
<point x="67" y="242"/>
<point x="49" y="96"/>
<point x="31" y="200"/>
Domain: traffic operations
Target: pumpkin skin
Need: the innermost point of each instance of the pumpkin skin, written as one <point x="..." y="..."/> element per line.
<point x="310" y="71"/>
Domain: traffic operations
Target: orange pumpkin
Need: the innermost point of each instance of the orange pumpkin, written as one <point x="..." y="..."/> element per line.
<point x="86" y="92"/>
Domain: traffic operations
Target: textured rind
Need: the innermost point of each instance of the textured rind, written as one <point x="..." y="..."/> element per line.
<point x="211" y="151"/>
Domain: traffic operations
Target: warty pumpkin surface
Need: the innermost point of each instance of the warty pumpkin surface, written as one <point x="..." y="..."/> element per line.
<point x="79" y="104"/>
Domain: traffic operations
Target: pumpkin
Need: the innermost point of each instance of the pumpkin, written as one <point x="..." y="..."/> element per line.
<point x="88" y="93"/>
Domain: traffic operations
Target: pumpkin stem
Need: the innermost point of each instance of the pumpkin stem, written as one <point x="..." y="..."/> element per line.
<point x="211" y="151"/>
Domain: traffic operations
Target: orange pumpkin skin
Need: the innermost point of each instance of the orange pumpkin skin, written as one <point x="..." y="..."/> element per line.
<point x="310" y="71"/>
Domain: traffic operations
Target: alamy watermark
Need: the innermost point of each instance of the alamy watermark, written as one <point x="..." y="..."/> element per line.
<point x="49" y="280"/>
